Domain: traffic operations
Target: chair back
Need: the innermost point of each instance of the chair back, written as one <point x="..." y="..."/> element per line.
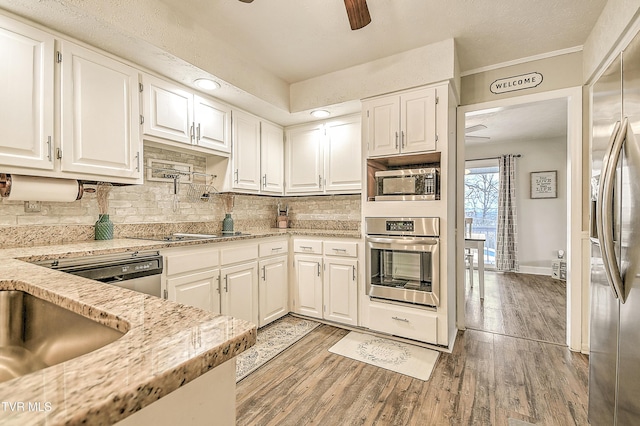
<point x="468" y="225"/>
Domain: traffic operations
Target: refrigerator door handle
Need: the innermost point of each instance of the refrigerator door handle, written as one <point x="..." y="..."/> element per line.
<point x="605" y="200"/>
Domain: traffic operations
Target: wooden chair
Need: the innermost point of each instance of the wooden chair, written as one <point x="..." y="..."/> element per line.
<point x="468" y="254"/>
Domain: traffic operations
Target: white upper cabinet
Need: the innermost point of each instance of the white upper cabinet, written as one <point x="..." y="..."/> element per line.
<point x="343" y="155"/>
<point x="100" y="134"/>
<point x="176" y="114"/>
<point x="26" y="79"/>
<point x="324" y="157"/>
<point x="212" y="124"/>
<point x="272" y="158"/>
<point x="304" y="162"/>
<point x="401" y="123"/>
<point x="246" y="151"/>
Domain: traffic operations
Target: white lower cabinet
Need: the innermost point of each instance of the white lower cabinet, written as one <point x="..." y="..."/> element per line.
<point x="326" y="284"/>
<point x="273" y="289"/>
<point x="341" y="290"/>
<point x="192" y="277"/>
<point x="308" y="285"/>
<point x="200" y="290"/>
<point x="239" y="291"/>
<point x="416" y="324"/>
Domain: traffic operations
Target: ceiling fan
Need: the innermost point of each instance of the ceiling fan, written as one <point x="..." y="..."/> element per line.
<point x="357" y="11"/>
<point x="476" y="128"/>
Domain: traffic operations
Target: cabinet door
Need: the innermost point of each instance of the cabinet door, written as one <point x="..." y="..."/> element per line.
<point x="213" y="124"/>
<point x="304" y="159"/>
<point x="272" y="158"/>
<point x="308" y="285"/>
<point x="201" y="290"/>
<point x="246" y="151"/>
<point x="383" y="119"/>
<point x="341" y="290"/>
<point x="168" y="110"/>
<point x="342" y="156"/>
<point x="273" y="289"/>
<point x="26" y="78"/>
<point x="418" y="128"/>
<point x="100" y="113"/>
<point x="240" y="291"/>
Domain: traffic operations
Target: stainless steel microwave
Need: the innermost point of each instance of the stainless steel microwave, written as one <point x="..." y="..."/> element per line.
<point x="408" y="184"/>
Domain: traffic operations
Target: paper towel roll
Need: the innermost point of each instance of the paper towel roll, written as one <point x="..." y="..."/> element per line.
<point x="32" y="188"/>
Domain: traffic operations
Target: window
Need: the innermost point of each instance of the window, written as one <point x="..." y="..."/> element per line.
<point x="481" y="203"/>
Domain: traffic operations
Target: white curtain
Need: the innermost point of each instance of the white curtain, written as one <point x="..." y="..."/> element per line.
<point x="506" y="240"/>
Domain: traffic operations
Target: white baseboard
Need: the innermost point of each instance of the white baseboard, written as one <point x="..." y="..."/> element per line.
<point x="535" y="270"/>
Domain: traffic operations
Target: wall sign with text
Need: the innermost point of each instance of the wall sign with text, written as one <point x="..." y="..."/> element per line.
<point x="518" y="82"/>
<point x="544" y="184"/>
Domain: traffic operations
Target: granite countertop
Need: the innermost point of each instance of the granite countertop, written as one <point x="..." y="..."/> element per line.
<point x="164" y="347"/>
<point x="122" y="245"/>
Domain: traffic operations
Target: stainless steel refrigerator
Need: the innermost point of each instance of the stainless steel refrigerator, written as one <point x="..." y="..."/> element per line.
<point x="614" y="356"/>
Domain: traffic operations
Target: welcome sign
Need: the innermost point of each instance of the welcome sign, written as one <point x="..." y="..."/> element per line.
<point x="518" y="82"/>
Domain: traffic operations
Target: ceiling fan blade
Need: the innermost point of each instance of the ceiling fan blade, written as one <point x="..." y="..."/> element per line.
<point x="246" y="1"/>
<point x="358" y="13"/>
<point x="476" y="138"/>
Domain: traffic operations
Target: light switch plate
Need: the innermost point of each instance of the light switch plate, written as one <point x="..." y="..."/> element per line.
<point x="32" y="206"/>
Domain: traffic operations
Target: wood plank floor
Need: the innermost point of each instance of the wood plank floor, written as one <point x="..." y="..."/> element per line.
<point x="487" y="379"/>
<point x="519" y="305"/>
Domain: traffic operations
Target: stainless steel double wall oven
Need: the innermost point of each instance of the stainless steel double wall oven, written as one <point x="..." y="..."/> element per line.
<point x="403" y="259"/>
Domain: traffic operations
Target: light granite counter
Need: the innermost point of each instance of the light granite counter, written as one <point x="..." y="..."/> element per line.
<point x="165" y="345"/>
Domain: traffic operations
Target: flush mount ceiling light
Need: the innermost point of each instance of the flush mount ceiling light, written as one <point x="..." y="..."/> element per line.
<point x="206" y="84"/>
<point x="357" y="11"/>
<point x="320" y="113"/>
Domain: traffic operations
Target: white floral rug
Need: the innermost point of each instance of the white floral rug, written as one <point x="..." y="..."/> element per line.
<point x="270" y="341"/>
<point x="400" y="357"/>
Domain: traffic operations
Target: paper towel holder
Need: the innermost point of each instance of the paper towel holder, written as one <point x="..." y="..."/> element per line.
<point x="5" y="186"/>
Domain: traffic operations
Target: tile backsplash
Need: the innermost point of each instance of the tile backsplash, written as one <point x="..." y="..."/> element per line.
<point x="144" y="209"/>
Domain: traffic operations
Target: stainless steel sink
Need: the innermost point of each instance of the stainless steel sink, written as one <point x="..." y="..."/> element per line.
<point x="35" y="334"/>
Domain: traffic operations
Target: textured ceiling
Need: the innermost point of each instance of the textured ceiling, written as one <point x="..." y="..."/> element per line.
<point x="526" y="122"/>
<point x="300" y="39"/>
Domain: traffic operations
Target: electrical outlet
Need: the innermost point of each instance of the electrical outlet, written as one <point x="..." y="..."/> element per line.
<point x="32" y="206"/>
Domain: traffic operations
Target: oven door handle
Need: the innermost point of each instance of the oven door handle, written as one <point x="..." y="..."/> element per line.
<point x="410" y="241"/>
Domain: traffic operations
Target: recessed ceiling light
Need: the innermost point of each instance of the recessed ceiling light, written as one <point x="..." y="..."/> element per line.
<point x="206" y="84"/>
<point x="320" y="113"/>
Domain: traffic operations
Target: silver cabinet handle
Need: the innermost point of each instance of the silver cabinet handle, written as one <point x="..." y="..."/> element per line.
<point x="264" y="181"/>
<point x="397" y="140"/>
<point x="276" y="248"/>
<point x="192" y="132"/>
<point x="318" y="268"/>
<point x="138" y="161"/>
<point x="320" y="181"/>
<point x="49" y="149"/>
<point x="264" y="273"/>
<point x="402" y="138"/>
<point x="218" y="279"/>
<point x="226" y="283"/>
<point x="605" y="200"/>
<point x="354" y="273"/>
<point x="306" y="247"/>
<point x="400" y="319"/>
<point x="237" y="177"/>
<point x="340" y="250"/>
<point x="198" y="132"/>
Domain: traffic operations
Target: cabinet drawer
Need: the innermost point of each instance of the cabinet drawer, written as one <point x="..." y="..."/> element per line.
<point x="190" y="260"/>
<point x="307" y="246"/>
<point x="341" y="248"/>
<point x="404" y="322"/>
<point x="238" y="254"/>
<point x="273" y="247"/>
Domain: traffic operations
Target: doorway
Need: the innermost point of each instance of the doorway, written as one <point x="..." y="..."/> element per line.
<point x="572" y="101"/>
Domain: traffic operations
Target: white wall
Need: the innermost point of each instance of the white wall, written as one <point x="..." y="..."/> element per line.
<point x="542" y="225"/>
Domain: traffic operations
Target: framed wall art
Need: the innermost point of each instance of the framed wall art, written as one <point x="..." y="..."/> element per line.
<point x="544" y="184"/>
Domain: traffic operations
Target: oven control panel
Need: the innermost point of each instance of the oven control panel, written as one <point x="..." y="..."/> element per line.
<point x="400" y="225"/>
